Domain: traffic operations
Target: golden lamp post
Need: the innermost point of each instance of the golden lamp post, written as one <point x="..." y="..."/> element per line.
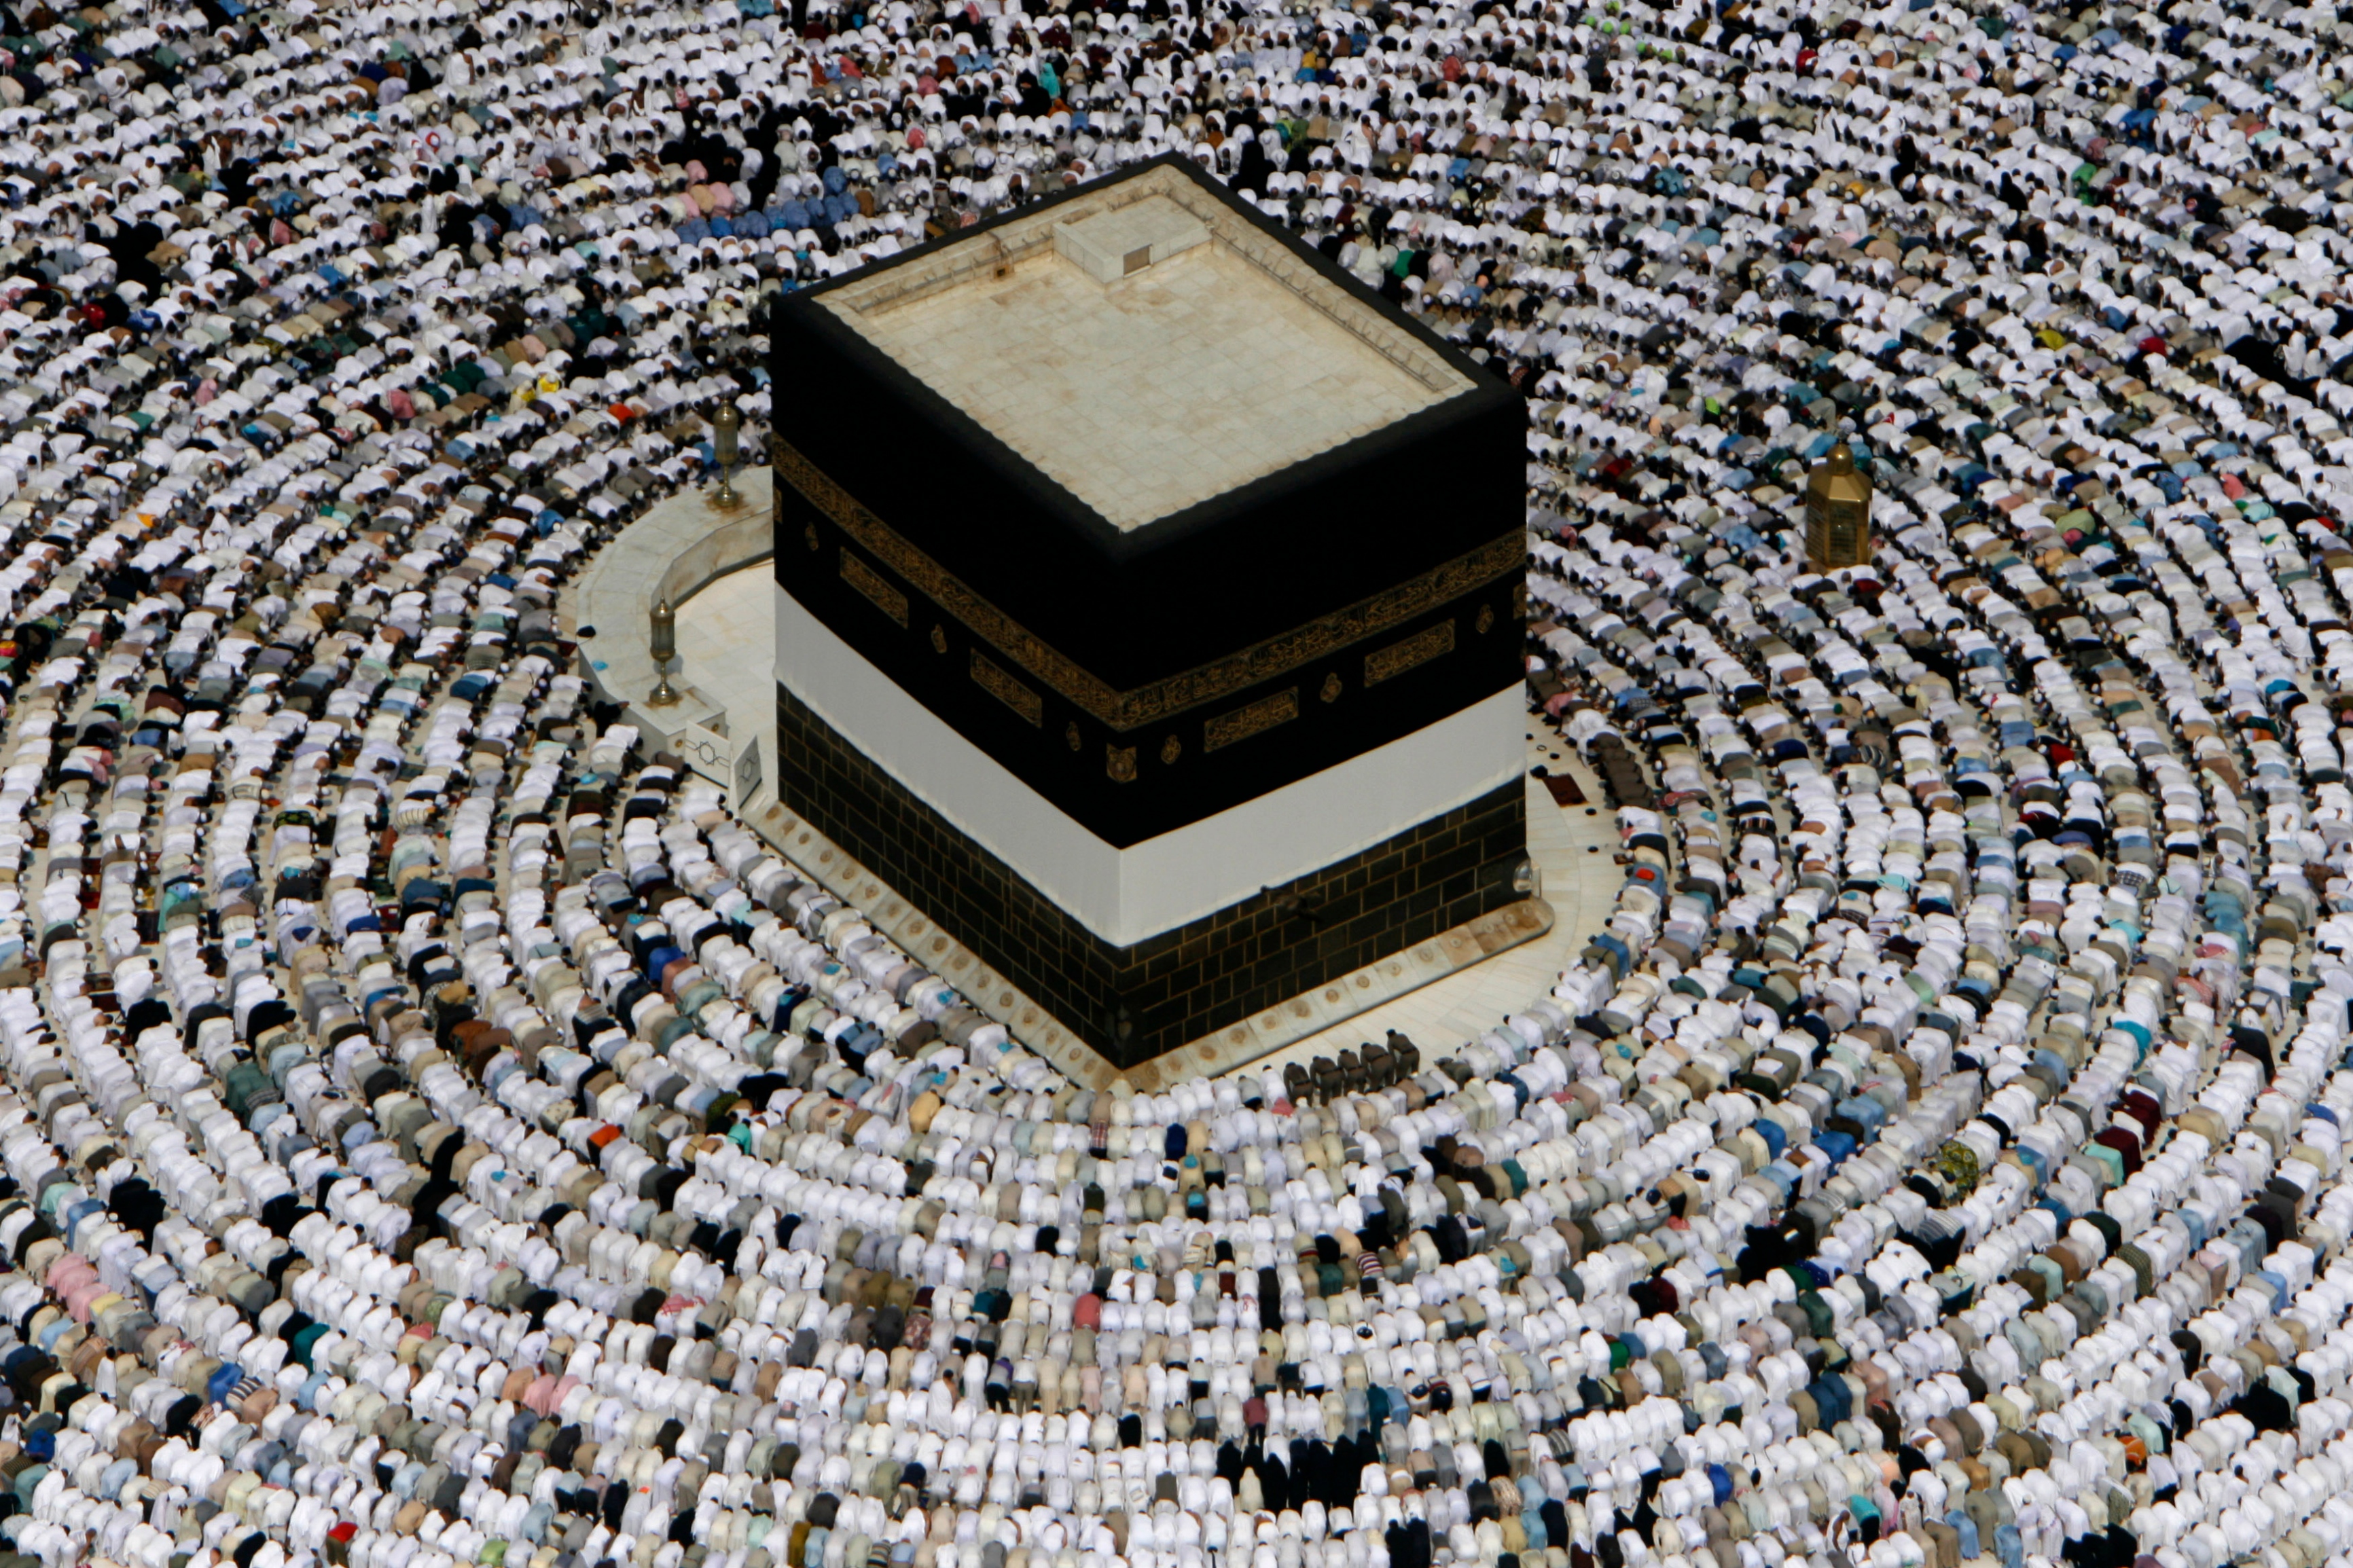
<point x="664" y="648"/>
<point x="725" y="436"/>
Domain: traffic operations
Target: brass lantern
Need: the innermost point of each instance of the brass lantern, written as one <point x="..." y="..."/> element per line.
<point x="663" y="646"/>
<point x="1837" y="513"/>
<point x="724" y="440"/>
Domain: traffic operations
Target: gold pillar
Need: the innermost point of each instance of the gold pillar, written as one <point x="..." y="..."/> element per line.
<point x="663" y="645"/>
<point x="724" y="438"/>
<point x="1837" y="513"/>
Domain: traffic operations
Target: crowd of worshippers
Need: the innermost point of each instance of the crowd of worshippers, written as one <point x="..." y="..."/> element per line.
<point x="438" y="1130"/>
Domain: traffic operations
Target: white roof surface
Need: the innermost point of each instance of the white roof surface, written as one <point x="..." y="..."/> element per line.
<point x="1209" y="366"/>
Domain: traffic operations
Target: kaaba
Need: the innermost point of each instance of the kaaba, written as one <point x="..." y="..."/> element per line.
<point x="1148" y="604"/>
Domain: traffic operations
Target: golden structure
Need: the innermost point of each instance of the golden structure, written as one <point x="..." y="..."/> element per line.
<point x="1837" y="513"/>
<point x="725" y="436"/>
<point x="663" y="645"/>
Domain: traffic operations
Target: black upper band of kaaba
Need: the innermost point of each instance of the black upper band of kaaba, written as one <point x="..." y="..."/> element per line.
<point x="1120" y="673"/>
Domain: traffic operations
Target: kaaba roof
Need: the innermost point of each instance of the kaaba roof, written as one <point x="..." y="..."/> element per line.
<point x="1133" y="490"/>
<point x="1146" y="347"/>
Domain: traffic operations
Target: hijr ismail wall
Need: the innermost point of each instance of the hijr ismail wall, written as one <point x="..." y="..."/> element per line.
<point x="1147" y="605"/>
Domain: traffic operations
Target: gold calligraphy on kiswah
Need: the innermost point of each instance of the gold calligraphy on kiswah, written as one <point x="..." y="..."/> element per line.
<point x="869" y="582"/>
<point x="1255" y="719"/>
<point x="1147" y="704"/>
<point x="989" y="678"/>
<point x="1430" y="642"/>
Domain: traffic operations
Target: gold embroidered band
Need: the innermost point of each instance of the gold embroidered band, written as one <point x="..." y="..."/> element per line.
<point x="1257" y="719"/>
<point x="869" y="582"/>
<point x="1157" y="700"/>
<point x="1006" y="690"/>
<point x="1431" y="642"/>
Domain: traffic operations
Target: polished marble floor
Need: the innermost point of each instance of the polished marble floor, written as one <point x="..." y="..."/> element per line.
<point x="727" y="643"/>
